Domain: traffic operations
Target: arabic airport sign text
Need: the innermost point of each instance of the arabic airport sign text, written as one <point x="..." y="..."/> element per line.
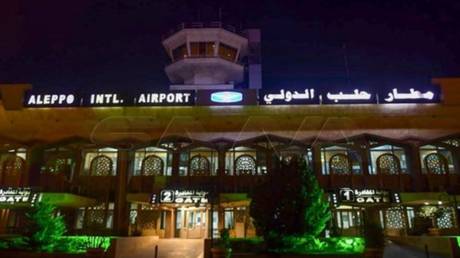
<point x="18" y="195"/>
<point x="353" y="96"/>
<point x="183" y="196"/>
<point x="298" y="96"/>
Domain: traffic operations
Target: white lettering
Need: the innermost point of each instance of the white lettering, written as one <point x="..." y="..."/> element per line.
<point x="171" y="97"/>
<point x="161" y="98"/>
<point x="50" y="99"/>
<point x="141" y="98"/>
<point x="31" y="100"/>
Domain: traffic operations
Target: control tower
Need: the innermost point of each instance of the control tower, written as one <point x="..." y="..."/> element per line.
<point x="213" y="57"/>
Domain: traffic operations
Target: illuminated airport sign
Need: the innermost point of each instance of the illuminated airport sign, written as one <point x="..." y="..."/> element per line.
<point x="51" y="100"/>
<point x="320" y="96"/>
<point x="17" y="196"/>
<point x="240" y="97"/>
<point x="364" y="196"/>
<point x="289" y="97"/>
<point x="183" y="196"/>
<point x="111" y="99"/>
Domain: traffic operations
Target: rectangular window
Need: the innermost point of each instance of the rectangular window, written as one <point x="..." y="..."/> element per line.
<point x="215" y="224"/>
<point x="183" y="163"/>
<point x="202" y="49"/>
<point x="80" y="218"/>
<point x="198" y="218"/>
<point x="348" y="219"/>
<point x="179" y="219"/>
<point x="228" y="219"/>
<point x="109" y="222"/>
<point x="179" y="52"/>
<point x="191" y="219"/>
<point x="227" y="52"/>
<point x="410" y="216"/>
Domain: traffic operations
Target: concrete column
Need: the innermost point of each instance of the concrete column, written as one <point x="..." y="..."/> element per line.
<point x="220" y="215"/>
<point x="325" y="181"/>
<point x="415" y="169"/>
<point x="317" y="166"/>
<point x="365" y="157"/>
<point x="121" y="209"/>
<point x="78" y="170"/>
<point x="35" y="160"/>
<point x="269" y="160"/>
<point x="175" y="163"/>
<point x="221" y="163"/>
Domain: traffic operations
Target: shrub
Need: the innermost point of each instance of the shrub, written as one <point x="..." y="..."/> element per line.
<point x="289" y="203"/>
<point x="46" y="228"/>
<point x="314" y="245"/>
<point x="79" y="244"/>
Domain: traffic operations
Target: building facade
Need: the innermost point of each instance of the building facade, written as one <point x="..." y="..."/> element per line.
<point x="181" y="163"/>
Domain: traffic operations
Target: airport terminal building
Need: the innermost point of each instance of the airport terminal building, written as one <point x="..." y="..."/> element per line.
<point x="180" y="163"/>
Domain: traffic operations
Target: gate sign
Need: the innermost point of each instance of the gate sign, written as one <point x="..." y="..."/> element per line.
<point x="184" y="196"/>
<point x="367" y="196"/>
<point x="17" y="195"/>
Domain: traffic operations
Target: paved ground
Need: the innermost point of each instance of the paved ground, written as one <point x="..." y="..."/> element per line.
<point x="193" y="248"/>
<point x="144" y="247"/>
<point x="396" y="251"/>
<point x="184" y="248"/>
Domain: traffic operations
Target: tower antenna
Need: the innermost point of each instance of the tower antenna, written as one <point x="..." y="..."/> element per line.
<point x="345" y="59"/>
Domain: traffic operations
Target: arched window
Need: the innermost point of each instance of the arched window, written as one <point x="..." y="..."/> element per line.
<point x="387" y="158"/>
<point x="13" y="166"/>
<point x="199" y="166"/>
<point x="101" y="166"/>
<point x="340" y="159"/>
<point x="340" y="164"/>
<point x="436" y="163"/>
<point x="58" y="164"/>
<point x="441" y="162"/>
<point x="91" y="155"/>
<point x="152" y="165"/>
<point x="245" y="165"/>
<point x="388" y="164"/>
<point x="152" y="161"/>
<point x="12" y="170"/>
<point x="244" y="160"/>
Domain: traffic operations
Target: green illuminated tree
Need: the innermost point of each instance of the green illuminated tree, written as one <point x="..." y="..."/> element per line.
<point x="289" y="202"/>
<point x="46" y="227"/>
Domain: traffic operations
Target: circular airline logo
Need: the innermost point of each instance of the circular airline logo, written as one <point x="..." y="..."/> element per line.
<point x="227" y="97"/>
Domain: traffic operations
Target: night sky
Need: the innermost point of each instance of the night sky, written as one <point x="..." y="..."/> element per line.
<point x="106" y="45"/>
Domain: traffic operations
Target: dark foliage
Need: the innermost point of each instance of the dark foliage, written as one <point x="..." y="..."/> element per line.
<point x="289" y="203"/>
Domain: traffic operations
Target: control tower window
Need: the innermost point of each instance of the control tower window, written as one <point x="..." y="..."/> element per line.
<point x="227" y="52"/>
<point x="180" y="52"/>
<point x="200" y="49"/>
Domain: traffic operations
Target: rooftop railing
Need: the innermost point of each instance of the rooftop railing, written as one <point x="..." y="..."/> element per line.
<point x="199" y="25"/>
